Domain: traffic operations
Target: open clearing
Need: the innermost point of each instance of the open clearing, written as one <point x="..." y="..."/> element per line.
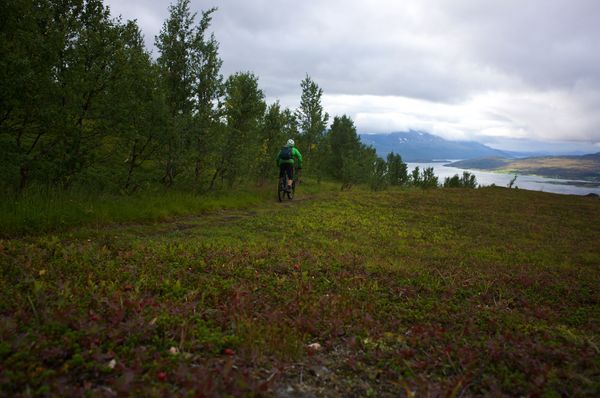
<point x="439" y="292"/>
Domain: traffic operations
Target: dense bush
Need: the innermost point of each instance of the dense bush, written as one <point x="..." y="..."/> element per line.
<point x="467" y="180"/>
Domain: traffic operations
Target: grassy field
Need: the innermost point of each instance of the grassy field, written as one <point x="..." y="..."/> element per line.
<point x="583" y="167"/>
<point x="406" y="293"/>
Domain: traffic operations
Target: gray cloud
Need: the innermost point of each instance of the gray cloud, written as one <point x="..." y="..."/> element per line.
<point x="548" y="44"/>
<point x="509" y="68"/>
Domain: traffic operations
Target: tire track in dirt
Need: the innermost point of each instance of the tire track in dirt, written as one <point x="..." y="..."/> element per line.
<point x="194" y="221"/>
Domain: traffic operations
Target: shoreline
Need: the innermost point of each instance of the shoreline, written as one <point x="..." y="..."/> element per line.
<point x="563" y="181"/>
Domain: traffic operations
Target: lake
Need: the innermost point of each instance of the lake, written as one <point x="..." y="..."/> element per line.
<point x="533" y="183"/>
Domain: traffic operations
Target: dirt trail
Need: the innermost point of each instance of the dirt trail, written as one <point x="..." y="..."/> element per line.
<point x="194" y="221"/>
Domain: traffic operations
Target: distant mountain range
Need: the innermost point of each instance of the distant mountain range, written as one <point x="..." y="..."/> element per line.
<point x="419" y="146"/>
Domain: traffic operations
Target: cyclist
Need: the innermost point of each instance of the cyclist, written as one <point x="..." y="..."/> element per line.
<point x="285" y="161"/>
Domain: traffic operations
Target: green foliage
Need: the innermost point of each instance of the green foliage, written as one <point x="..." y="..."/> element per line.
<point x="428" y="178"/>
<point x="425" y="178"/>
<point x="139" y="114"/>
<point x="62" y="55"/>
<point x="343" y="141"/>
<point x="378" y="180"/>
<point x="277" y="127"/>
<point x="415" y="177"/>
<point x="348" y="160"/>
<point x="397" y="171"/>
<point x="177" y="43"/>
<point x="467" y="180"/>
<point x="312" y="120"/>
<point x="189" y="67"/>
<point x="240" y="144"/>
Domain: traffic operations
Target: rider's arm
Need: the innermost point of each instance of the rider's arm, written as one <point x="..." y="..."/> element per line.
<point x="297" y="154"/>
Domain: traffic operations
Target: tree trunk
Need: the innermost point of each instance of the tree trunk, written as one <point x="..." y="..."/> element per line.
<point x="24" y="171"/>
<point x="131" y="167"/>
<point x="214" y="178"/>
<point x="197" y="169"/>
<point x="169" y="175"/>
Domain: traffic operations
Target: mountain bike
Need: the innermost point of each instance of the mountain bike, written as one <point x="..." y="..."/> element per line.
<point x="282" y="191"/>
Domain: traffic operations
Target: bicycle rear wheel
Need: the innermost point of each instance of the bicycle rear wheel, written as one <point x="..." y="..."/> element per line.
<point x="281" y="189"/>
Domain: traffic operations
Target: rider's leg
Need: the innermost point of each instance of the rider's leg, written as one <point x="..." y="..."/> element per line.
<point x="290" y="176"/>
<point x="282" y="173"/>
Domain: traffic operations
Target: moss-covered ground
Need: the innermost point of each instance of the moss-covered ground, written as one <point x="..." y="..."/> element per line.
<point x="407" y="293"/>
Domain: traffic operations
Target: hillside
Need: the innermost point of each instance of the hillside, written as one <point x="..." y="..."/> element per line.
<point x="441" y="292"/>
<point x="415" y="146"/>
<point x="586" y="167"/>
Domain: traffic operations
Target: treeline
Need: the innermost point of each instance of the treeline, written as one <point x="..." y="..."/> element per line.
<point x="83" y="104"/>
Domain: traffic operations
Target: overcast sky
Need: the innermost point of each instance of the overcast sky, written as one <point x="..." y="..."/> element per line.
<point x="514" y="74"/>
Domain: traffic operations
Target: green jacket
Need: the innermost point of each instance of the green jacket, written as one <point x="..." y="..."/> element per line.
<point x="295" y="154"/>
